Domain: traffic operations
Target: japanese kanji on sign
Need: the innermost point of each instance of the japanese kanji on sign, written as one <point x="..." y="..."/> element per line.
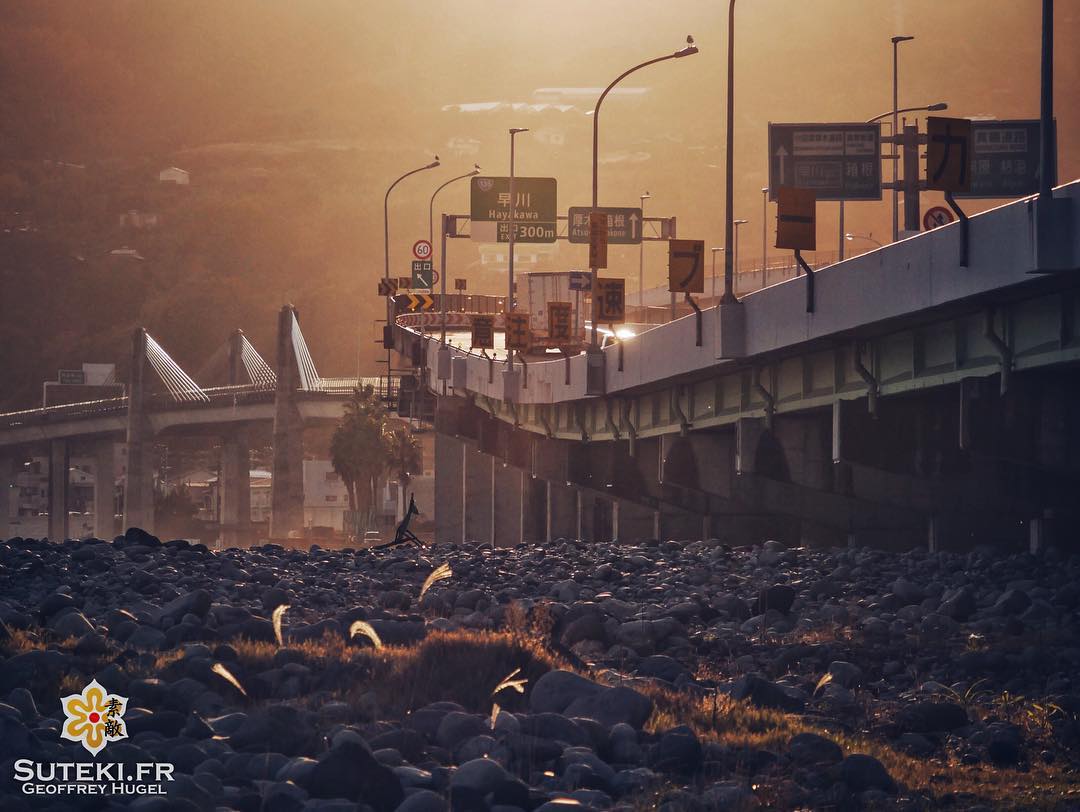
<point x="609" y="301"/>
<point x="948" y="154"/>
<point x="598" y="234"/>
<point x="686" y="266"/>
<point x="517" y="331"/>
<point x="560" y="322"/>
<point x="483" y="332"/>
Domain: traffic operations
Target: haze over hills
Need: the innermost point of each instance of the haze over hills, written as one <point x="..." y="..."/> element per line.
<point x="293" y="118"/>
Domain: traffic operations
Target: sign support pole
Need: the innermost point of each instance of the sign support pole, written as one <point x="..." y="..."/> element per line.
<point x="697" y="315"/>
<point x="442" y="279"/>
<point x="809" y="280"/>
<point x="963" y="218"/>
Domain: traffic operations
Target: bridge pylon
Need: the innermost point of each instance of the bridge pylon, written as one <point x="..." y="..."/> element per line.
<point x="139" y="480"/>
<point x="287" y="488"/>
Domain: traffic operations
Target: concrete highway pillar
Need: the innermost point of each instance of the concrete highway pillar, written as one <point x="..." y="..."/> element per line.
<point x="58" y="490"/>
<point x="139" y="478"/>
<point x="234" y="491"/>
<point x="478" y="507"/>
<point x="105" y="490"/>
<point x="509" y="490"/>
<point x="534" y="509"/>
<point x="635" y="522"/>
<point x="450" y="504"/>
<point x="287" y="486"/>
<point x="1037" y="535"/>
<point x="9" y="493"/>
<point x="748" y="431"/>
<point x="562" y="511"/>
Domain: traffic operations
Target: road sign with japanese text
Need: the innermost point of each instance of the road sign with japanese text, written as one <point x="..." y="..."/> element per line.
<point x="796" y="219"/>
<point x="623" y="223"/>
<point x="517" y="331"/>
<point x="483" y="332"/>
<point x="948" y="154"/>
<point x="1005" y="158"/>
<point x="423" y="273"/>
<point x="686" y="266"/>
<point x="535" y="214"/>
<point x="837" y="161"/>
<point x="609" y="301"/>
<point x="560" y="322"/>
<point x="598" y="239"/>
<point x="580" y="281"/>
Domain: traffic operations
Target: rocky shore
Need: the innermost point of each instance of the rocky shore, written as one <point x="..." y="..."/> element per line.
<point x="675" y="675"/>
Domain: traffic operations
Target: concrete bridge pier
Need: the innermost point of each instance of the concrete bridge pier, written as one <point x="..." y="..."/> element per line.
<point x="59" y="462"/>
<point x="450" y="505"/>
<point x="287" y="490"/>
<point x="634" y="522"/>
<point x="235" y="491"/>
<point x="9" y="493"/>
<point x="104" y="490"/>
<point x="509" y="504"/>
<point x="479" y="495"/>
<point x="139" y="480"/>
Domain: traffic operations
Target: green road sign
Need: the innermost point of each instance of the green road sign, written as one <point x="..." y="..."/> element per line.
<point x="1004" y="158"/>
<point x="423" y="273"/>
<point x="835" y="161"/>
<point x="535" y="212"/>
<point x="624" y="224"/>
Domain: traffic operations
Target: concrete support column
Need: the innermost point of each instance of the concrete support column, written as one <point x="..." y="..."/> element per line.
<point x="105" y="490"/>
<point x="748" y="431"/>
<point x="139" y="477"/>
<point x="234" y="491"/>
<point x="508" y="487"/>
<point x="636" y="522"/>
<point x="562" y="511"/>
<point x="9" y="493"/>
<point x="534" y="508"/>
<point x="287" y="488"/>
<point x="478" y="506"/>
<point x="450" y="502"/>
<point x="1037" y="535"/>
<point x="58" y="490"/>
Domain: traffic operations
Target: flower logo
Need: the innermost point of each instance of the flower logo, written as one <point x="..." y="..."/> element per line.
<point x="94" y="717"/>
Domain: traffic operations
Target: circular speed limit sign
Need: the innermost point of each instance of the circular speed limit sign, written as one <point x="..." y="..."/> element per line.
<point x="936" y="216"/>
<point x="422" y="249"/>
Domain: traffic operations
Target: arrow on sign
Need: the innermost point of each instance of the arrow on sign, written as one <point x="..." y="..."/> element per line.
<point x="782" y="154"/>
<point x="420" y="301"/>
<point x="633" y="226"/>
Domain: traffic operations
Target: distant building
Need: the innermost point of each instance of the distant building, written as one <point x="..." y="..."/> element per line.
<point x="174" y="174"/>
<point x="126" y="252"/>
<point x="134" y="218"/>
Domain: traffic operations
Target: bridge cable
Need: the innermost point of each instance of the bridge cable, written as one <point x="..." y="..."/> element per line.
<point x="178" y="382"/>
<point x="260" y="372"/>
<point x="309" y="376"/>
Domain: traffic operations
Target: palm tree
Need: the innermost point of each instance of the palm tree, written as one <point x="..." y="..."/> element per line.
<point x="403" y="457"/>
<point x="358" y="450"/>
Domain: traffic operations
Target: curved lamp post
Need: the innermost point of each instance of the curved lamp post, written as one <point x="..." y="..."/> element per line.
<point x="689" y="50"/>
<point x="386" y="255"/>
<point x="870" y="237"/>
<point x="442" y="250"/>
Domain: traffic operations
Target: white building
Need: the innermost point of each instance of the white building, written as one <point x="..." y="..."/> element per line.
<point x="174" y="174"/>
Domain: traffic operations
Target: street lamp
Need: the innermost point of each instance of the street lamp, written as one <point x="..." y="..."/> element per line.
<point x="641" y="253"/>
<point x="713" y="289"/>
<point x="764" y="230"/>
<point x="895" y="124"/>
<point x="513" y="223"/>
<point x="870" y="237"/>
<point x="386" y="257"/>
<point x="689" y="50"/>
<point x="442" y="252"/>
<point x="737" y="223"/>
<point x="729" y="191"/>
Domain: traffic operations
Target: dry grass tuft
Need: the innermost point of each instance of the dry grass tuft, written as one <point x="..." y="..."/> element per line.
<point x="440" y="573"/>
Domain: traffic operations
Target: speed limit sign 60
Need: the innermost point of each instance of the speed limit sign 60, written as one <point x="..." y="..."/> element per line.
<point x="422" y="249"/>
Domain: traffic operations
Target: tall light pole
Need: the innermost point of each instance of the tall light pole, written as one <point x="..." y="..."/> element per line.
<point x="386" y="258"/>
<point x="736" y="224"/>
<point x="641" y="253"/>
<point x="729" y="190"/>
<point x="713" y="288"/>
<point x="687" y="51"/>
<point x="442" y="247"/>
<point x="895" y="125"/>
<point x="513" y="227"/>
<point x="764" y="235"/>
